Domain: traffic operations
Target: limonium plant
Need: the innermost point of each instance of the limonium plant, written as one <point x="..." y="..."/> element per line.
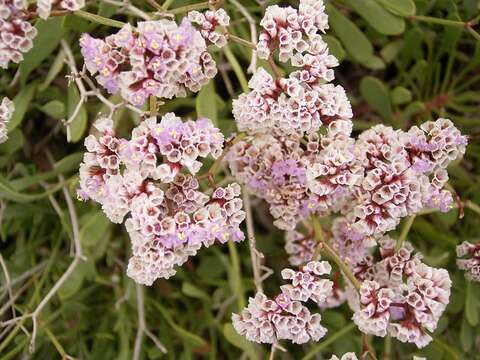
<point x="335" y="193"/>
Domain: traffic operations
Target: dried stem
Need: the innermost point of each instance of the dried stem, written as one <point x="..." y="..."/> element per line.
<point x="78" y="256"/>
<point x="255" y="255"/>
<point x="253" y="34"/>
<point x="8" y="284"/>
<point x="129" y="8"/>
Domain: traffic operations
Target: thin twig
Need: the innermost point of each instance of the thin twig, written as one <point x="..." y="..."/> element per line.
<point x="253" y="34"/>
<point x="8" y="284"/>
<point x="254" y="253"/>
<point x="142" y="326"/>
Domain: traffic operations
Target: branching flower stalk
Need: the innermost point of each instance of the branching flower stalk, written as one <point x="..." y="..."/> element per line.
<point x="324" y="247"/>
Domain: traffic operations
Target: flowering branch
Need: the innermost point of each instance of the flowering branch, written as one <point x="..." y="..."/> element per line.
<point x="323" y="246"/>
<point x="405" y="230"/>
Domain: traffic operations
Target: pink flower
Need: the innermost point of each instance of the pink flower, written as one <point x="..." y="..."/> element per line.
<point x="159" y="59"/>
<point x="471" y="260"/>
<point x="401" y="296"/>
<point x="208" y="21"/>
<point x="17" y="34"/>
<point x="168" y="218"/>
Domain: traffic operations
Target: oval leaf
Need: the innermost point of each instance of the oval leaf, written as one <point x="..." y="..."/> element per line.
<point x="79" y="123"/>
<point x="21" y="102"/>
<point x="399" y="7"/>
<point x="381" y="20"/>
<point x="356" y="43"/>
<point x="376" y="95"/>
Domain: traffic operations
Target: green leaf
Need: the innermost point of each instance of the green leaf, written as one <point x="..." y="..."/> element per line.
<point x="373" y="62"/>
<point x="381" y="20"/>
<point x="391" y="50"/>
<point x="68" y="163"/>
<point x="356" y="43"/>
<point x="399" y="7"/>
<point x="55" y="109"/>
<point x="97" y="19"/>
<point x="471" y="305"/>
<point x="376" y="95"/>
<point x="466" y="335"/>
<point x="50" y="32"/>
<point x="15" y="142"/>
<point x="21" y="101"/>
<point x="79" y="123"/>
<point x="188" y="337"/>
<point x="335" y="47"/>
<point x="413" y="108"/>
<point x="206" y="103"/>
<point x="401" y="95"/>
<point x="95" y="229"/>
<point x="74" y="282"/>
<point x="54" y="70"/>
<point x="239" y="341"/>
<point x="194" y="292"/>
<point x="7" y="192"/>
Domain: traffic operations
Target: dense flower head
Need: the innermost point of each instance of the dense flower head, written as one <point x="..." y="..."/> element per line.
<point x="287" y="106"/>
<point x="17" y="34"/>
<point x="292" y="31"/>
<point x="6" y="112"/>
<point x="404" y="173"/>
<point x="267" y="320"/>
<point x="44" y="7"/>
<point x="469" y="260"/>
<point x="307" y="283"/>
<point x="158" y="58"/>
<point x="285" y="317"/>
<point x="208" y="21"/>
<point x="401" y="296"/>
<point x="170" y="218"/>
<point x="288" y="173"/>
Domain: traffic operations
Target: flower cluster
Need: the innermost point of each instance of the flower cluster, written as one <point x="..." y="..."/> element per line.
<point x="401" y="296"/>
<point x="17" y="34"/>
<point x="307" y="284"/>
<point x="170" y="219"/>
<point x="285" y="317"/>
<point x="44" y="7"/>
<point x="289" y="105"/>
<point x="291" y="31"/>
<point x="6" y="111"/>
<point x="472" y="264"/>
<point x="404" y="172"/>
<point x="158" y="58"/>
<point x="208" y="21"/>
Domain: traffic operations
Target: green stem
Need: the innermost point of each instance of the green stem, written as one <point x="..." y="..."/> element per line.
<point x="330" y="252"/>
<point x="236" y="275"/>
<point x="387" y="347"/>
<point x="167" y="4"/>
<point x="330" y="340"/>
<point x="98" y="19"/>
<point x="237" y="69"/>
<point x="241" y="41"/>
<point x="153" y="105"/>
<point x="433" y="20"/>
<point x="405" y="230"/>
<point x="187" y="8"/>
